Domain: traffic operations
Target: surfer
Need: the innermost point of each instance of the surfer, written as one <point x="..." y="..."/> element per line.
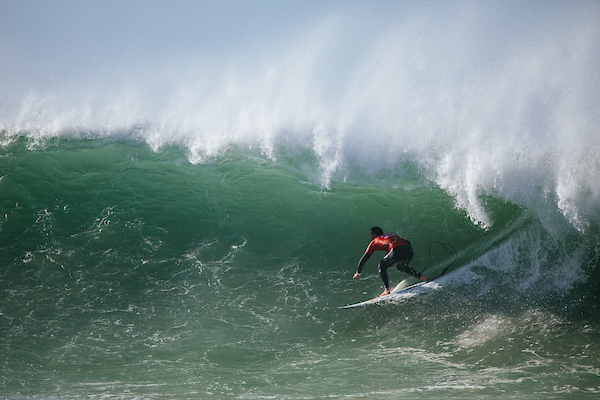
<point x="399" y="253"/>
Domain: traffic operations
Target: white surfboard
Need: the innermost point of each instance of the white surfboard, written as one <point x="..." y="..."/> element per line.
<point x="402" y="293"/>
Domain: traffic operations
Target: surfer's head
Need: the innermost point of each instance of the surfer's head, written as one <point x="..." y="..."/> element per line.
<point x="375" y="231"/>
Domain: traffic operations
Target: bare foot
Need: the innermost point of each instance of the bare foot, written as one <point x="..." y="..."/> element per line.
<point x="385" y="292"/>
<point x="424" y="278"/>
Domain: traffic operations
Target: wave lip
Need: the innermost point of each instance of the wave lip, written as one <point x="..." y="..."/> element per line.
<point x="510" y="111"/>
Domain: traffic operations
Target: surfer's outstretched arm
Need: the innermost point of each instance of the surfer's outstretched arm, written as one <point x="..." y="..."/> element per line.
<point x="361" y="265"/>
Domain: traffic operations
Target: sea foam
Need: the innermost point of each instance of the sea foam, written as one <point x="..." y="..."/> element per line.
<point x="485" y="103"/>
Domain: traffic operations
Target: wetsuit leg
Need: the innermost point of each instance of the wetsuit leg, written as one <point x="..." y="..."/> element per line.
<point x="385" y="263"/>
<point x="408" y="270"/>
<point x="405" y="255"/>
<point x="400" y="257"/>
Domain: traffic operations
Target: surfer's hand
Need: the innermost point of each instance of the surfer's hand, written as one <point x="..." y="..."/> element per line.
<point x="356" y="275"/>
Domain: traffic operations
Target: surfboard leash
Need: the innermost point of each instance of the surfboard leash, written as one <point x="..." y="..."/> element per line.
<point x="448" y="248"/>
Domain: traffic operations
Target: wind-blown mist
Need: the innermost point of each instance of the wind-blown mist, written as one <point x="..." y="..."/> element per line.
<point x="486" y="100"/>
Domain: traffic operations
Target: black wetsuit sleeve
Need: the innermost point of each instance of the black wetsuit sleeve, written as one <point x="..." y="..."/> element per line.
<point x="362" y="262"/>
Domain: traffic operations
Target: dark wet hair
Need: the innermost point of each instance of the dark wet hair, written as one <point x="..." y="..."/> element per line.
<point x="376" y="231"/>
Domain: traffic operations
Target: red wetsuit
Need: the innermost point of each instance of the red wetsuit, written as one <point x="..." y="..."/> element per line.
<point x="398" y="252"/>
<point x="386" y="243"/>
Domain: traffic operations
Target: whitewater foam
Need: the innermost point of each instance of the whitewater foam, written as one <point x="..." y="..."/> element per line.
<point x="518" y="120"/>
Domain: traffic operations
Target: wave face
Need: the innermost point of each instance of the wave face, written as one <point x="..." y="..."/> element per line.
<point x="184" y="222"/>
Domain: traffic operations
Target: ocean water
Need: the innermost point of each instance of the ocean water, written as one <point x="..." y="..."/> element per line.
<point x="192" y="236"/>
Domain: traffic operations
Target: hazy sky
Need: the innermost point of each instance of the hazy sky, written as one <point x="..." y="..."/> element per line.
<point x="63" y="36"/>
<point x="61" y="25"/>
<point x="98" y="50"/>
<point x="57" y="30"/>
<point x="44" y="43"/>
<point x="62" y="40"/>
